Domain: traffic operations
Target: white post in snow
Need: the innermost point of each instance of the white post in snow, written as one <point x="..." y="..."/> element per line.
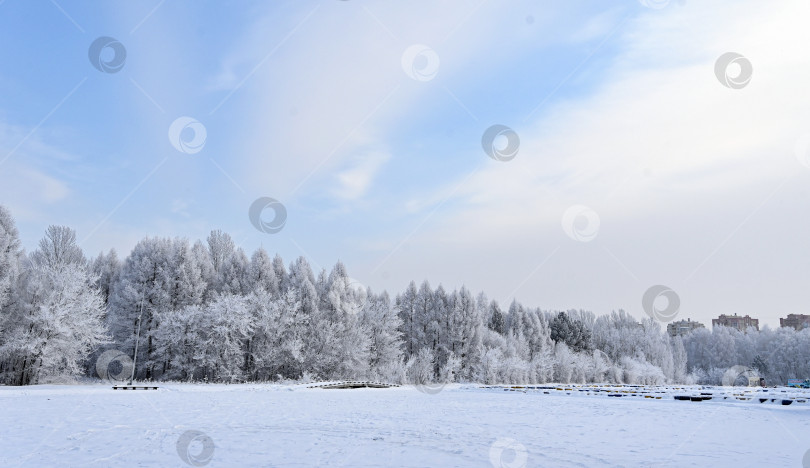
<point x="137" y="341"/>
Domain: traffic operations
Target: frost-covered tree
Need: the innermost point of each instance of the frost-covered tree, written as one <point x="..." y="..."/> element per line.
<point x="61" y="325"/>
<point x="58" y="248"/>
<point x="261" y="275"/>
<point x="344" y="345"/>
<point x="423" y="316"/>
<point x="420" y="367"/>
<point x="760" y="365"/>
<point x="207" y="312"/>
<point x="406" y="304"/>
<point x="277" y="347"/>
<point x="281" y="273"/>
<point x="777" y="355"/>
<point x="146" y="290"/>
<point x="220" y="335"/>
<point x="11" y="259"/>
<point x="202" y="259"/>
<point x="564" y="362"/>
<point x="324" y="332"/>
<point x="385" y="338"/>
<point x="679" y="360"/>
<point x="107" y="268"/>
<point x="571" y="332"/>
<point x="464" y="332"/>
<point x="57" y="319"/>
<point x="186" y="280"/>
<point x="11" y="254"/>
<point x="175" y="341"/>
<point x="436" y="318"/>
<point x="234" y="275"/>
<point x="229" y="264"/>
<point x="208" y="340"/>
<point x="496" y="321"/>
<point x="220" y="249"/>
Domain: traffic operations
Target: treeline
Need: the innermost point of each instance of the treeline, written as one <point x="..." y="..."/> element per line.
<point x="207" y="312"/>
<point x="776" y="355"/>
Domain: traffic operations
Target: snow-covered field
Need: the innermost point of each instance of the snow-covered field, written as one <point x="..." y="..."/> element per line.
<point x="461" y="425"/>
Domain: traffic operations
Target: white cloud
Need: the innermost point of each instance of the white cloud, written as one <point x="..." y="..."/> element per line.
<point x="596" y="27"/>
<point x="672" y="161"/>
<point x="32" y="187"/>
<point x="339" y="75"/>
<point x="26" y="159"/>
<point x="354" y="181"/>
<point x="180" y="207"/>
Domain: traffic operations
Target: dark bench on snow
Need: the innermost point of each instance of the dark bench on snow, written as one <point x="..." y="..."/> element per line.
<point x="353" y="384"/>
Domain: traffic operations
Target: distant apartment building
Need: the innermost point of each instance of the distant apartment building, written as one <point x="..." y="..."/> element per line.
<point x="682" y="327"/>
<point x="736" y="321"/>
<point x="796" y="321"/>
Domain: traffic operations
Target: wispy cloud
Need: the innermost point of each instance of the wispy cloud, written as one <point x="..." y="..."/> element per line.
<point x="626" y="117"/>
<point x="671" y="160"/>
<point x="354" y="181"/>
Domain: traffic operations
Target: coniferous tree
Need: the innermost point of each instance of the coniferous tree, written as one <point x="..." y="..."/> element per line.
<point x="107" y="268"/>
<point x="496" y="321"/>
<point x="385" y="339"/>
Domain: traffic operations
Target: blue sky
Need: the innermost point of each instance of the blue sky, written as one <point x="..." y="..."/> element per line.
<point x="696" y="186"/>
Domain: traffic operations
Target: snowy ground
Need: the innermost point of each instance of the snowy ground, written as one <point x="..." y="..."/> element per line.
<point x="461" y="425"/>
